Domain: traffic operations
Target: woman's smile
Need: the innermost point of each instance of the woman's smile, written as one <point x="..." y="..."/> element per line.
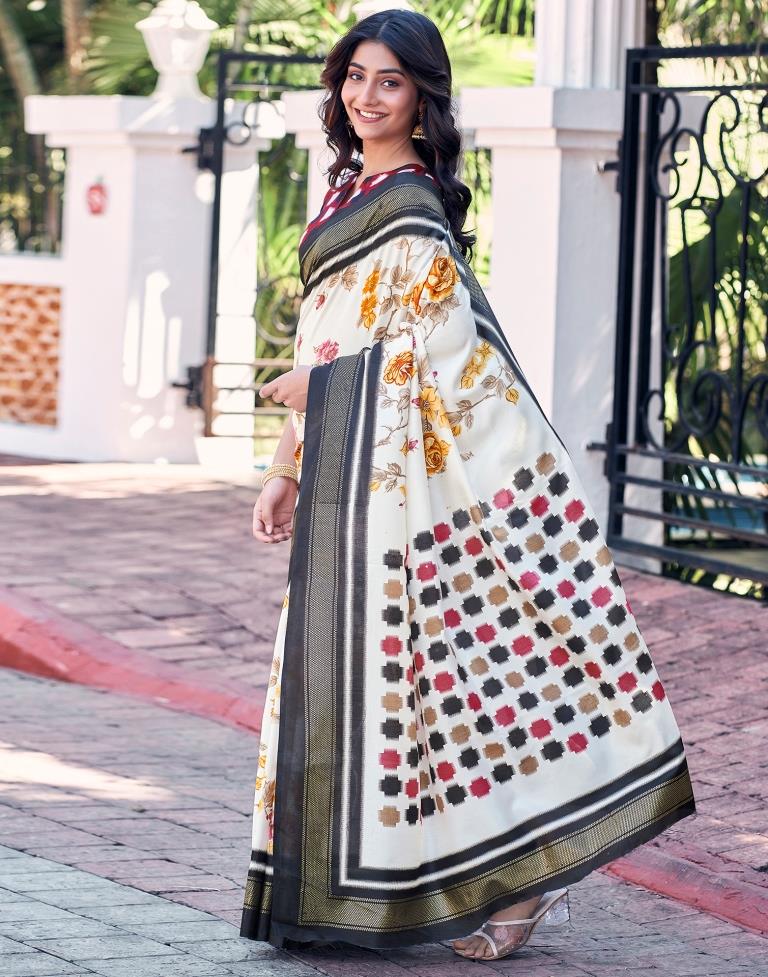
<point x="367" y="116"/>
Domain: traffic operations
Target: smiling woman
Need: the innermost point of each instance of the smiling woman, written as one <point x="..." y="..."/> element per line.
<point x="463" y="718"/>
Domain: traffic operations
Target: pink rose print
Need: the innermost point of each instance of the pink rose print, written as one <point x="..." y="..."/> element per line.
<point x="327" y="351"/>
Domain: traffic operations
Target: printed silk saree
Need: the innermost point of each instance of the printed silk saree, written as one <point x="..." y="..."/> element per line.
<point x="462" y="711"/>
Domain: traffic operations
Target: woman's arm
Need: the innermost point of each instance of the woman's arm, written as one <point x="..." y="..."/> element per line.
<point x="286" y="446"/>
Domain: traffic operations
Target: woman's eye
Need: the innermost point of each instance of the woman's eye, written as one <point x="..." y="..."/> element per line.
<point x="354" y="75"/>
<point x="390" y="82"/>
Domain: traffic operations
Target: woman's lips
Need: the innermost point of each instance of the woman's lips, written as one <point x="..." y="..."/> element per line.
<point x="368" y="121"/>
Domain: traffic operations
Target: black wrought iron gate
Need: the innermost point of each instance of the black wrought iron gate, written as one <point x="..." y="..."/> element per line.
<point x="687" y="447"/>
<point x="245" y="81"/>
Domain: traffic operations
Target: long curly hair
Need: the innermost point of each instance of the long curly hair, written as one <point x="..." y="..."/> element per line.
<point x="417" y="43"/>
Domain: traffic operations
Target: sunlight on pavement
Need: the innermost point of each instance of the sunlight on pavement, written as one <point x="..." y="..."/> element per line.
<point x="28" y="767"/>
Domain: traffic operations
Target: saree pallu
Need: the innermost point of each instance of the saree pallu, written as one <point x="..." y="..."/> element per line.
<point x="462" y="711"/>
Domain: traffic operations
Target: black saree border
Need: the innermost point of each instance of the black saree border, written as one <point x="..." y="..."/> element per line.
<point x="314" y="625"/>
<point x="401" y="196"/>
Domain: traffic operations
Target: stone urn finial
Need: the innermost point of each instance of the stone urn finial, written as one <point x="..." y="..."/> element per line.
<point x="177" y="34"/>
<point x="364" y="8"/>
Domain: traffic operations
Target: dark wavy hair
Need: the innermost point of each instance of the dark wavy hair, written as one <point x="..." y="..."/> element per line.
<point x="417" y="43"/>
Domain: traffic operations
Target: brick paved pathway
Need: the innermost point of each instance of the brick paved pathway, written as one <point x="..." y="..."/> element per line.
<point x="126" y="828"/>
<point x="161" y="559"/>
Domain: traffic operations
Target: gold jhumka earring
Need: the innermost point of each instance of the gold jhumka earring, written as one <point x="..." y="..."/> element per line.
<point x="418" y="131"/>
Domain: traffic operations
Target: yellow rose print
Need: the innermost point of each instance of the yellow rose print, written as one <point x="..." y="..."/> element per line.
<point x="435" y="453"/>
<point x="432" y="407"/>
<point x="441" y="279"/>
<point x="371" y="281"/>
<point x="368" y="310"/>
<point x="400" y="368"/>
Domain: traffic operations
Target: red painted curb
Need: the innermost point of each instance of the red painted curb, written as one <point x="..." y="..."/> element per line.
<point x="682" y="879"/>
<point x="36" y="639"/>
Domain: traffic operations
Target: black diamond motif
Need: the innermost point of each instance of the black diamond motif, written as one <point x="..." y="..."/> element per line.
<point x="612" y="654"/>
<point x="513" y="553"/>
<point x="455" y="794"/>
<point x="573" y="675"/>
<point x="552" y="525"/>
<point x="429" y="596"/>
<point x="450" y="554"/>
<point x="473" y="604"/>
<point x="450" y="705"/>
<point x="484" y="724"/>
<point x="484" y="567"/>
<point x="391" y="786"/>
<point x="616" y="615"/>
<point x="599" y="725"/>
<point x="544" y="599"/>
<point x="392" y="728"/>
<point x="523" y="479"/>
<point x="392" y="672"/>
<point x="392" y="615"/>
<point x="644" y="663"/>
<point x="438" y="651"/>
<point x="436" y="741"/>
<point x="498" y="654"/>
<point x="424" y="540"/>
<point x="641" y="702"/>
<point x="565" y="714"/>
<point x="517" y="736"/>
<point x="492" y="687"/>
<point x="583" y="570"/>
<point x="461" y="519"/>
<point x="581" y="608"/>
<point x="509" y="617"/>
<point x="517" y="517"/>
<point x="528" y="700"/>
<point x="502" y="772"/>
<point x="553" y="750"/>
<point x="558" y="483"/>
<point x="548" y="564"/>
<point x="588" y="530"/>
<point x="464" y="639"/>
<point x="536" y="666"/>
<point x="393" y="559"/>
<point x="469" y="757"/>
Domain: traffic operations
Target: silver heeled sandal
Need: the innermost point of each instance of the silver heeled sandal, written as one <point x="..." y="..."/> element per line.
<point x="507" y="936"/>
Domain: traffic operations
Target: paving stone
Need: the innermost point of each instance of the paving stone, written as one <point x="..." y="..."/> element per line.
<point x="38" y="965"/>
<point x="85" y="947"/>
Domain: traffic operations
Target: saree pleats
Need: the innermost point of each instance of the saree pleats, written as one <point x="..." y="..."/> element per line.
<point x="462" y="710"/>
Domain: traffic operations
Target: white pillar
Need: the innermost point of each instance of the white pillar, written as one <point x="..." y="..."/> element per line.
<point x="135" y="276"/>
<point x="556" y="217"/>
<point x="302" y="120"/>
<point x="231" y="443"/>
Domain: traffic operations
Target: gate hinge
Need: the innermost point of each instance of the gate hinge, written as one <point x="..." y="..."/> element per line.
<point x="193" y="385"/>
<point x="204" y="148"/>
<point x="612" y="166"/>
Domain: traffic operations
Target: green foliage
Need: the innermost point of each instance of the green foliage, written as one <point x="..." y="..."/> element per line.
<point x="714" y="21"/>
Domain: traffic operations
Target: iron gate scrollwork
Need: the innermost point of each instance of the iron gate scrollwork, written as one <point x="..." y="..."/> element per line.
<point x="687" y="447"/>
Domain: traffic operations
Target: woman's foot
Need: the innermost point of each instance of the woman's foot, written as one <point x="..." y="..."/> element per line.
<point x="478" y="947"/>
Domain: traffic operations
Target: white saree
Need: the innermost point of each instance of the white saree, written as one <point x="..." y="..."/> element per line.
<point x="462" y="711"/>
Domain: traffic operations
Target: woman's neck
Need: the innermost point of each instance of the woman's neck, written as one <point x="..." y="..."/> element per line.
<point x="378" y="158"/>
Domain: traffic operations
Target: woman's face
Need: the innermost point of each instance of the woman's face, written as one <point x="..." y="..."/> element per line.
<point x="381" y="100"/>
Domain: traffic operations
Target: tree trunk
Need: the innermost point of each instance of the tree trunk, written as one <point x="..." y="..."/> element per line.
<point x="242" y="22"/>
<point x="75" y="25"/>
<point x="16" y="55"/>
<point x="651" y="23"/>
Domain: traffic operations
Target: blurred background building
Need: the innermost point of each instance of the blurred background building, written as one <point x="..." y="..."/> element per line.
<point x="158" y="163"/>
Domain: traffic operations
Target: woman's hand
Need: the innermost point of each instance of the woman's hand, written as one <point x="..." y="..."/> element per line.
<point x="273" y="512"/>
<point x="289" y="388"/>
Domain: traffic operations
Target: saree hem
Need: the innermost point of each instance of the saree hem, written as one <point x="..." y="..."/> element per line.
<point x="257" y="925"/>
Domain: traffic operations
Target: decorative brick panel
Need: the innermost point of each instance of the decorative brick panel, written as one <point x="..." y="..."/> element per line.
<point x="29" y="353"/>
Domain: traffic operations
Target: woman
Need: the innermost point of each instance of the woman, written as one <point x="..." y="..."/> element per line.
<point x="462" y="717"/>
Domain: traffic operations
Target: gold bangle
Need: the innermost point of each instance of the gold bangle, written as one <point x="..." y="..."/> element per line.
<point x="287" y="471"/>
